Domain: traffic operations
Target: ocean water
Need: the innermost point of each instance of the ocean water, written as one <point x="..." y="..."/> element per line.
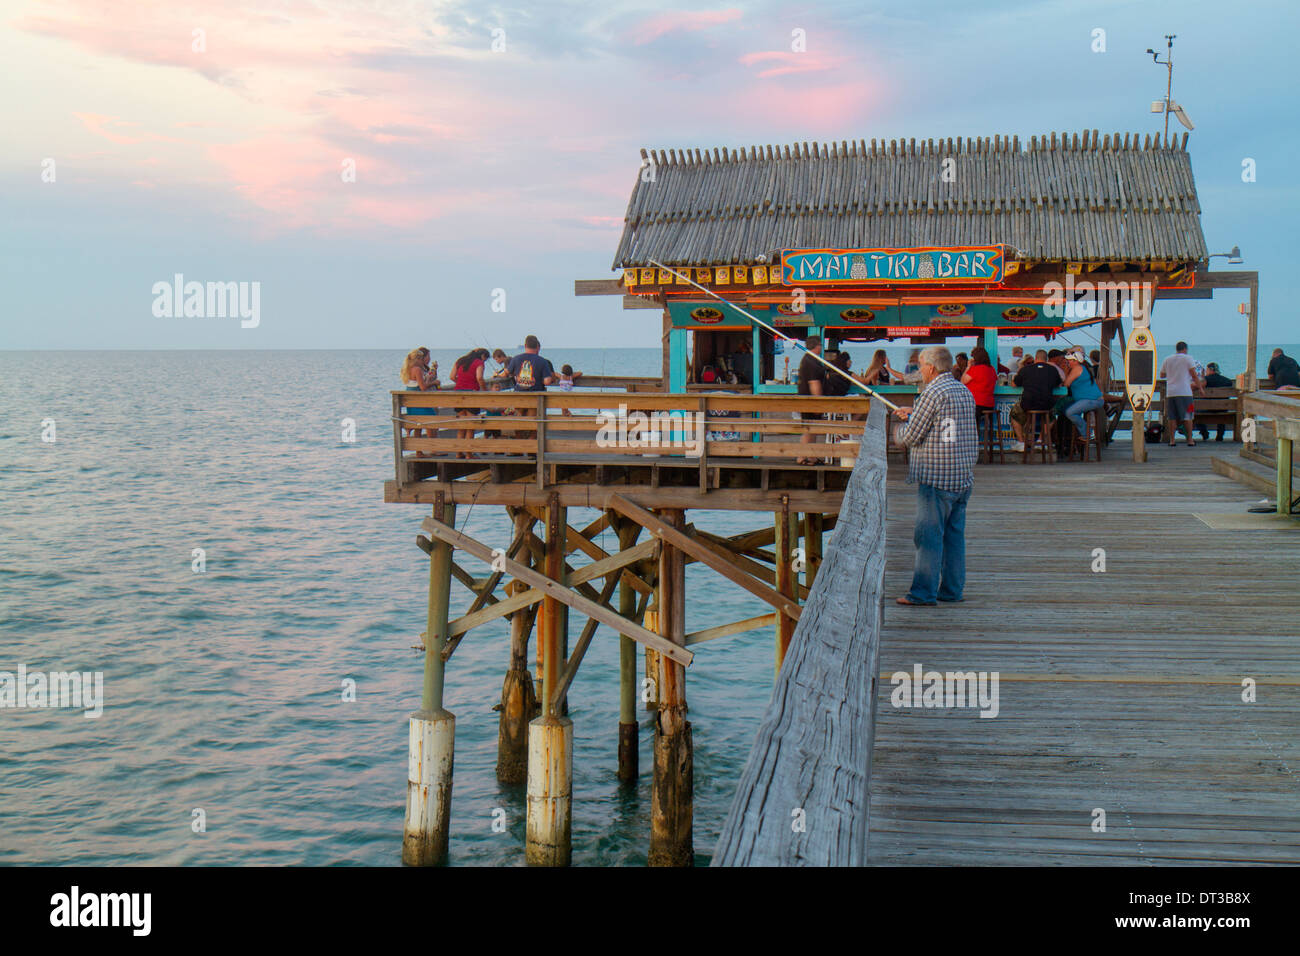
<point x="223" y="689"/>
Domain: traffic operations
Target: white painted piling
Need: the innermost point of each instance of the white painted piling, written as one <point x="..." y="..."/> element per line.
<point x="550" y="792"/>
<point x="428" y="788"/>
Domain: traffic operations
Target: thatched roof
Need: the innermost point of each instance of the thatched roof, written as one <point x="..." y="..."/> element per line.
<point x="1089" y="198"/>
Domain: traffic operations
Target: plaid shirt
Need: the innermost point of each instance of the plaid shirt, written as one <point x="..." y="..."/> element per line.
<point x="941" y="435"/>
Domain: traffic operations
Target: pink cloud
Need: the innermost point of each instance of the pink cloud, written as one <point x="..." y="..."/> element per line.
<point x="99" y="124"/>
<point x="790" y="62"/>
<point x="687" y="20"/>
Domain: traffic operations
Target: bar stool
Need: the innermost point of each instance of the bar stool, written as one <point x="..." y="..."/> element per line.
<point x="1038" y="429"/>
<point x="989" y="421"/>
<point x="1094" y="438"/>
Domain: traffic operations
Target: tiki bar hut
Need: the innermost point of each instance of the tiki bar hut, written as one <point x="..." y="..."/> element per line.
<point x="919" y="242"/>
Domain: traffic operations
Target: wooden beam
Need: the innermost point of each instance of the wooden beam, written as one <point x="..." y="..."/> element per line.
<point x="580" y="649"/>
<point x="558" y="591"/>
<point x="599" y="287"/>
<point x="694" y="548"/>
<point x="763" y="573"/>
<point x="735" y="627"/>
<point x="641" y="552"/>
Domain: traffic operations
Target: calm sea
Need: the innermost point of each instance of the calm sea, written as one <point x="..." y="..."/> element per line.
<point x="224" y="688"/>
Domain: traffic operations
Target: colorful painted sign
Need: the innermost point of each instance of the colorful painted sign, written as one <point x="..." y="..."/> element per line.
<point x="1140" y="369"/>
<point x="929" y="265"/>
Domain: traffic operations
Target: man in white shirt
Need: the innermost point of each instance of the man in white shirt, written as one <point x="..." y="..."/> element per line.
<point x="1181" y="376"/>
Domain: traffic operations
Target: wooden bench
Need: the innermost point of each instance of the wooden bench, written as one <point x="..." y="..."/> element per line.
<point x="1211" y="406"/>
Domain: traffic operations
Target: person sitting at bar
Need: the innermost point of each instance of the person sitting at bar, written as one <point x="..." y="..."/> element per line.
<point x="980" y="378"/>
<point x="1036" y="380"/>
<point x="914" y="360"/>
<point x="1014" y="363"/>
<point x="742" y="363"/>
<point x="1084" y="396"/>
<point x="812" y="381"/>
<point x="959" y="365"/>
<point x="879" y="372"/>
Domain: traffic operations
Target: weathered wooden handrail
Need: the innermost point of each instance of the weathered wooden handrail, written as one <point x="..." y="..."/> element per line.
<point x="660" y="425"/>
<point x="811" y="761"/>
<point x="1284" y="410"/>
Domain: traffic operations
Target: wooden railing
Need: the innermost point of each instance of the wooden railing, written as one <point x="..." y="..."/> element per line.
<point x="531" y="426"/>
<point x="1284" y="411"/>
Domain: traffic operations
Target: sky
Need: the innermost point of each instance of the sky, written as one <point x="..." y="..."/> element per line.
<point x="388" y="179"/>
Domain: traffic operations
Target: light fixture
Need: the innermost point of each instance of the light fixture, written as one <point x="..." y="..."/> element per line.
<point x="1233" y="257"/>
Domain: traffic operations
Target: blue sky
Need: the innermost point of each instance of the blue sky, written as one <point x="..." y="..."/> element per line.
<point x="479" y="170"/>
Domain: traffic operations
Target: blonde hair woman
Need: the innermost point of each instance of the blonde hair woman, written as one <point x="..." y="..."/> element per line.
<point x="418" y="377"/>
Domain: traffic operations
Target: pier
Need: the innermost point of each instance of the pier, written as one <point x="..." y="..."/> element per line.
<point x="1140" y="625"/>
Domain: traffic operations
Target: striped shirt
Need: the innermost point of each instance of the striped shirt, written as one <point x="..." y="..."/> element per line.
<point x="941" y="435"/>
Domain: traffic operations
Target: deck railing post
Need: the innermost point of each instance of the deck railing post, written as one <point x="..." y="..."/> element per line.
<point x="431" y="745"/>
<point x="673" y="787"/>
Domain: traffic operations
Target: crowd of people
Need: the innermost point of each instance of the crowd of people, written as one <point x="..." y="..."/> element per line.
<point x="528" y="371"/>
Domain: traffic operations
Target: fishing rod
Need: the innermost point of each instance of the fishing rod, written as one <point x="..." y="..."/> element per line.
<point x="777" y="332"/>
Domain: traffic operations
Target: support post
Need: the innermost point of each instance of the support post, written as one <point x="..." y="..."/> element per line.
<point x="1252" y="337"/>
<point x="550" y="736"/>
<point x="518" y="697"/>
<point x="628" y="731"/>
<point x="813" y="523"/>
<point x="784" y="579"/>
<point x="431" y="742"/>
<point x="673" y="787"/>
<point x="1284" y="485"/>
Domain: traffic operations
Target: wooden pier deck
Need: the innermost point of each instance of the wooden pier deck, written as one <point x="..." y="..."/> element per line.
<point x="1119" y="690"/>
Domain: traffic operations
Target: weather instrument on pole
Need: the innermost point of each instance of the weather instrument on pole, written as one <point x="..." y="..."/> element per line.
<point x="1167" y="105"/>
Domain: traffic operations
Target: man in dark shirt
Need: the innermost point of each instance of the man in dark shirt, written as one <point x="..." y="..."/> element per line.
<point x="1214" y="380"/>
<point x="1283" y="369"/>
<point x="812" y="381"/>
<point x="531" y="372"/>
<point x="1037" y="382"/>
<point x="742" y="363"/>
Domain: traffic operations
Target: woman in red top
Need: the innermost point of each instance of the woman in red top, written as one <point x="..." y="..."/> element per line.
<point x="980" y="377"/>
<point x="467" y="376"/>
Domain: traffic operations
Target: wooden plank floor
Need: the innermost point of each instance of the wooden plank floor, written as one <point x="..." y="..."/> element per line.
<point x="1118" y="690"/>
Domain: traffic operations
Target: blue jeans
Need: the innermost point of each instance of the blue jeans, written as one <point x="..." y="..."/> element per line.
<point x="1075" y="411"/>
<point x="940" y="540"/>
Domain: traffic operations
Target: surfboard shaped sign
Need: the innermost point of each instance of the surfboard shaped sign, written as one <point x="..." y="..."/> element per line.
<point x="1140" y="368"/>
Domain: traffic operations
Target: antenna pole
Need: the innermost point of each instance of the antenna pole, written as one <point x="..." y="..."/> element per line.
<point x="1169" y="87"/>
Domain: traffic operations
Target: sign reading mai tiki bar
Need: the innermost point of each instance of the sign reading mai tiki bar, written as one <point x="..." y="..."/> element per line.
<point x="928" y="265"/>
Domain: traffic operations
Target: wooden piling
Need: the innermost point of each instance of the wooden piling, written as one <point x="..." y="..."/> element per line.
<point x="432" y="732"/>
<point x="550" y="736"/>
<point x="785" y="578"/>
<point x="813" y="523"/>
<point x="628" y="731"/>
<point x="672" y="790"/>
<point x="518" y="698"/>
